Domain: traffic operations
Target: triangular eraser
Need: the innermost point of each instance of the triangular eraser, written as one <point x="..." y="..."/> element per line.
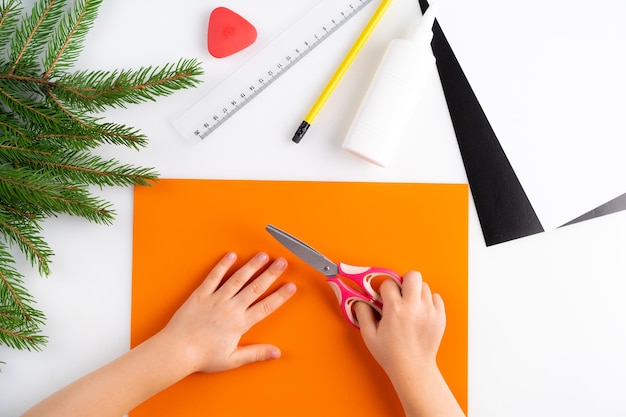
<point x="228" y="33"/>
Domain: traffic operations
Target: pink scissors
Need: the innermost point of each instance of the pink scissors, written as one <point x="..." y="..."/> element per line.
<point x="346" y="294"/>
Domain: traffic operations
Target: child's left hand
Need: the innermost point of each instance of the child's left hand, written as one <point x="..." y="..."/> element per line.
<point x="207" y="328"/>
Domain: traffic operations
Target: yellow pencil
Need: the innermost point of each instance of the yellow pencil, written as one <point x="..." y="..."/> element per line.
<point x="341" y="70"/>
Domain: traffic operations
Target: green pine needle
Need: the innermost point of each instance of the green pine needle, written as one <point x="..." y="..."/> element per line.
<point x="20" y="322"/>
<point x="9" y="18"/>
<point x="97" y="90"/>
<point x="47" y="133"/>
<point x="68" y="38"/>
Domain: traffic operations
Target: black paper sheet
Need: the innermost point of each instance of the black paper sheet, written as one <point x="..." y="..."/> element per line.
<point x="504" y="211"/>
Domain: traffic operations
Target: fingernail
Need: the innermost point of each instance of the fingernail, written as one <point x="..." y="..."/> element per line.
<point x="274" y="353"/>
<point x="262" y="257"/>
<point x="290" y="288"/>
<point x="281" y="263"/>
<point x="230" y="256"/>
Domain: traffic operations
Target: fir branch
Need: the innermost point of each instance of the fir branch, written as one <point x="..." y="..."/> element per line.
<point x="36" y="189"/>
<point x="36" y="31"/>
<point x="83" y="167"/>
<point x="153" y="82"/>
<point x="19" y="321"/>
<point x="118" y="134"/>
<point x="19" y="334"/>
<point x="13" y="295"/>
<point x="47" y="132"/>
<point x="17" y="155"/>
<point x="57" y="121"/>
<point x="18" y="212"/>
<point x="10" y="12"/>
<point x="83" y="141"/>
<point x="26" y="79"/>
<point x="9" y="127"/>
<point x="26" y="233"/>
<point x="98" y="90"/>
<point x="68" y="39"/>
<point x="22" y="102"/>
<point x="101" y="133"/>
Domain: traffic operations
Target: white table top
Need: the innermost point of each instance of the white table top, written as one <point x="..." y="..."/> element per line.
<point x="546" y="312"/>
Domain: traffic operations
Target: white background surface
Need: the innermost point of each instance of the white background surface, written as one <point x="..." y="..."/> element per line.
<point x="550" y="78"/>
<point x="546" y="313"/>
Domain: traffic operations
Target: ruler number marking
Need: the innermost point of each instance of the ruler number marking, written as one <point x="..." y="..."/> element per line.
<point x="266" y="77"/>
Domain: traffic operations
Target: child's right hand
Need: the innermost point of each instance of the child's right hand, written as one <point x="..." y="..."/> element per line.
<point x="405" y="343"/>
<point x="411" y="326"/>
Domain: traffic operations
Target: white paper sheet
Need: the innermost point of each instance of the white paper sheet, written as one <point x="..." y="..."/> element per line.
<point x="551" y="77"/>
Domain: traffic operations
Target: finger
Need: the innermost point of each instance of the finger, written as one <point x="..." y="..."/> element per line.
<point x="427" y="294"/>
<point x="389" y="291"/>
<point x="366" y="318"/>
<point x="269" y="304"/>
<point x="215" y="277"/>
<point x="440" y="308"/>
<point x="237" y="281"/>
<point x="244" y="355"/>
<point x="412" y="286"/>
<point x="438" y="302"/>
<point x="255" y="289"/>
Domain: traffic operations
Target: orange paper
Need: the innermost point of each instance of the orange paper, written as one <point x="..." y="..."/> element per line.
<point x="182" y="227"/>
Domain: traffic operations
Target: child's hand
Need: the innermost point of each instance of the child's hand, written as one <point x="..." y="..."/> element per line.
<point x="411" y="327"/>
<point x="206" y="329"/>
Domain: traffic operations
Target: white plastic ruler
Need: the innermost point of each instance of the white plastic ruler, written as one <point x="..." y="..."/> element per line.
<point x="247" y="82"/>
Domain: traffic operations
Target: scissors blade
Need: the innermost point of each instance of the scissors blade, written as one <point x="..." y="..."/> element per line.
<point x="304" y="251"/>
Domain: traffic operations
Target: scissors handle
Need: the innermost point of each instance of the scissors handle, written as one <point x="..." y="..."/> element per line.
<point x="363" y="277"/>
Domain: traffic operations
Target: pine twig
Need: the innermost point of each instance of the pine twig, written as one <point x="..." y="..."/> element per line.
<point x="19" y="321"/>
<point x="69" y="36"/>
<point x="34" y="34"/>
<point x="47" y="134"/>
<point x="9" y="16"/>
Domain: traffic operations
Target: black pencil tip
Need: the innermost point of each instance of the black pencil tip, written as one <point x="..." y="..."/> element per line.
<point x="304" y="126"/>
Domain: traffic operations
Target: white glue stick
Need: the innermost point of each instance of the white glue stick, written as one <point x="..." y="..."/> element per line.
<point x="393" y="94"/>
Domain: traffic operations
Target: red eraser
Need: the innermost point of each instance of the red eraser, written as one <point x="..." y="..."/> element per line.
<point x="228" y="33"/>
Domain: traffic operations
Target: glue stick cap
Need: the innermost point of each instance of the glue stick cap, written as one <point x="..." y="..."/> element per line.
<point x="423" y="30"/>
